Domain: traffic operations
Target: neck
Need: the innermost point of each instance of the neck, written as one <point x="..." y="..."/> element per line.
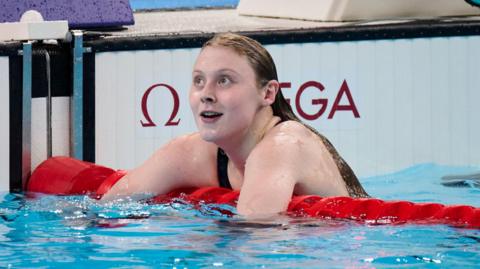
<point x="239" y="148"/>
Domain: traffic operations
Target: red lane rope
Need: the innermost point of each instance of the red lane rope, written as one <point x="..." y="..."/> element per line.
<point x="67" y="176"/>
<point x="368" y="210"/>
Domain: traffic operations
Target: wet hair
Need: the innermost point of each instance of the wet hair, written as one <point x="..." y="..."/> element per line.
<point x="264" y="68"/>
<point x="262" y="64"/>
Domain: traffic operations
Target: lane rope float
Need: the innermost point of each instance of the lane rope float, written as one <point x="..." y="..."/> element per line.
<point x="68" y="176"/>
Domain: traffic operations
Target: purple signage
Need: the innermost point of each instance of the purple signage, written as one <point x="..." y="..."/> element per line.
<point x="78" y="13"/>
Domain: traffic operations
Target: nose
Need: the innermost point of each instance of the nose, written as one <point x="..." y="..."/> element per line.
<point x="208" y="96"/>
<point x="208" y="99"/>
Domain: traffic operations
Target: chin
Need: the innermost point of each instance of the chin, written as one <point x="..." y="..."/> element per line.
<point x="209" y="135"/>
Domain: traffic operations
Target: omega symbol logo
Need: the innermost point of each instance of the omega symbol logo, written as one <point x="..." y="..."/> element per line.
<point x="176" y="105"/>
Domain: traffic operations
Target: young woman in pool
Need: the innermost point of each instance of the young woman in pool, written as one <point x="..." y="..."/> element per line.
<point x="248" y="138"/>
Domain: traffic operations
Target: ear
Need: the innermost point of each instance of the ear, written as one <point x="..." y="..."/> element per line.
<point x="271" y="90"/>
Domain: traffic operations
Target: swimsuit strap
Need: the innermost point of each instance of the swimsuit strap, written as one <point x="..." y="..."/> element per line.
<point x="222" y="169"/>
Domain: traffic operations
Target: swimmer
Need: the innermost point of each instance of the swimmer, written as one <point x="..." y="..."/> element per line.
<point x="248" y="138"/>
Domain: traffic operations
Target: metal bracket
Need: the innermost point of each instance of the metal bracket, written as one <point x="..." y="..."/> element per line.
<point x="26" y="111"/>
<point x="77" y="97"/>
<point x="49" y="105"/>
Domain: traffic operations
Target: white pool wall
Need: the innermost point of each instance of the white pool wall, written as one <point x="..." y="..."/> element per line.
<point x="417" y="100"/>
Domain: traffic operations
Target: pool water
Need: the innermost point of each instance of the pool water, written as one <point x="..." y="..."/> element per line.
<point x="77" y="232"/>
<point x="181" y="4"/>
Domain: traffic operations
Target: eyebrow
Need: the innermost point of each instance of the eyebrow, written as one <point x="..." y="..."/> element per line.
<point x="228" y="70"/>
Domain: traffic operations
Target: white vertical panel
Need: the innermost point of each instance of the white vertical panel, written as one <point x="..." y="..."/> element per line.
<point x="385" y="105"/>
<point x="422" y="100"/>
<point x="182" y="66"/>
<point x="105" y="109"/>
<point x="5" y="122"/>
<point x="347" y="142"/>
<point x="277" y="55"/>
<point x="291" y="70"/>
<point x="347" y="71"/>
<point x="367" y="135"/>
<point x="459" y="100"/>
<point x="39" y="131"/>
<point x="309" y="63"/>
<point x="159" y="72"/>
<point x="128" y="73"/>
<point x="291" y="55"/>
<point x="403" y="95"/>
<point x="276" y="51"/>
<point x="473" y="94"/>
<point x="331" y="79"/>
<point x="60" y="128"/>
<point x="308" y="68"/>
<point x="441" y="96"/>
<point x="163" y="104"/>
<point x="193" y="57"/>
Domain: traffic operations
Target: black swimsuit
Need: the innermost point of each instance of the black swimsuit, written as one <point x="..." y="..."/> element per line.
<point x="222" y="169"/>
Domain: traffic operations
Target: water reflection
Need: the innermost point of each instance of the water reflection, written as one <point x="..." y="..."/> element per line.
<point x="60" y="231"/>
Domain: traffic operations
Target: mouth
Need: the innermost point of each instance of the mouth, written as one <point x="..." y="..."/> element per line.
<point x="210" y="114"/>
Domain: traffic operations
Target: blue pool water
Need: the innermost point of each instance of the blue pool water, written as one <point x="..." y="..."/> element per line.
<point x="177" y="4"/>
<point x="76" y="232"/>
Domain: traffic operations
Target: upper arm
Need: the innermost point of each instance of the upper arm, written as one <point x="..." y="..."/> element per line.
<point x="289" y="159"/>
<point x="174" y="165"/>
<point x="271" y="173"/>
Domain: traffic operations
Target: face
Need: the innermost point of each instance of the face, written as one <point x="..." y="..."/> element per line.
<point x="224" y="96"/>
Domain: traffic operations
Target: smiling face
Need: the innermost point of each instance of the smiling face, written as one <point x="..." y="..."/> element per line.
<point x="224" y="96"/>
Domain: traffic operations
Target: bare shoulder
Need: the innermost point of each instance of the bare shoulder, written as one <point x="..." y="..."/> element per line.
<point x="186" y="158"/>
<point x="294" y="151"/>
<point x="187" y="144"/>
<point x="292" y="128"/>
<point x="189" y="151"/>
<point x="288" y="143"/>
<point x="288" y="137"/>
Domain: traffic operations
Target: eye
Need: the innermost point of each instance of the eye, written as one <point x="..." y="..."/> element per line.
<point x="198" y="81"/>
<point x="224" y="81"/>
